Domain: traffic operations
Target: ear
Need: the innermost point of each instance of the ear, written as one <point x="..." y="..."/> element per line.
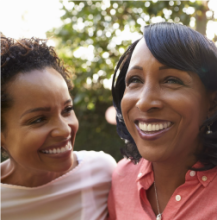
<point x="213" y="103"/>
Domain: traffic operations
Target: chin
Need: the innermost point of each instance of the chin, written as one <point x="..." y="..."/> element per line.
<point x="65" y="168"/>
<point x="153" y="155"/>
<point x="62" y="168"/>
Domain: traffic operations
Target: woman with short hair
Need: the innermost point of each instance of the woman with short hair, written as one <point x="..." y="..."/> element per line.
<point x="43" y="177"/>
<point x="165" y="94"/>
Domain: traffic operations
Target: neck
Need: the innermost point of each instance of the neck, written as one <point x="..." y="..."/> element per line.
<point x="171" y="174"/>
<point x="20" y="176"/>
<point x="168" y="177"/>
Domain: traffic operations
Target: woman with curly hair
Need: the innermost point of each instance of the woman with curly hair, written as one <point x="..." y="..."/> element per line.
<point x="43" y="177"/>
<point x="165" y="94"/>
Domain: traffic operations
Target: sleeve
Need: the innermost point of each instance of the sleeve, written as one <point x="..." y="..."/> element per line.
<point x="118" y="187"/>
<point x="106" y="163"/>
<point x="109" y="161"/>
<point x="111" y="206"/>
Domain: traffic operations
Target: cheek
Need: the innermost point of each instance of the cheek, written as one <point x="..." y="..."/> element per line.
<point x="190" y="106"/>
<point x="22" y="146"/>
<point x="128" y="103"/>
<point x="73" y="123"/>
<point x="125" y="106"/>
<point x="34" y="139"/>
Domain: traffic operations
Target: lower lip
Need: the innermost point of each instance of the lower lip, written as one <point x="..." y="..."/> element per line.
<point x="152" y="136"/>
<point x="58" y="155"/>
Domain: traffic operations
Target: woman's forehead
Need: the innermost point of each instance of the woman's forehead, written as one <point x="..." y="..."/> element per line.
<point x="37" y="82"/>
<point x="141" y="54"/>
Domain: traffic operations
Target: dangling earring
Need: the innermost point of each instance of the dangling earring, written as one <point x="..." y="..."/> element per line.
<point x="209" y="129"/>
<point x="4" y="153"/>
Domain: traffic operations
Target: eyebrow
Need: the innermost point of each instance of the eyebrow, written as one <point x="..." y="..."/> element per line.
<point x="136" y="67"/>
<point x="68" y="101"/>
<point x="165" y="67"/>
<point x="160" y="68"/>
<point x="45" y="109"/>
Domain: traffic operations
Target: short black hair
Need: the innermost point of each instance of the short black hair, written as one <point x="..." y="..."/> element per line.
<point x="179" y="47"/>
<point x="23" y="56"/>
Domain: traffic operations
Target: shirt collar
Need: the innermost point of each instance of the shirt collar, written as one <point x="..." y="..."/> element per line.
<point x="205" y="177"/>
<point x="146" y="176"/>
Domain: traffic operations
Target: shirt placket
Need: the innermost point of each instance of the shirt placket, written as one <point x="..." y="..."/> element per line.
<point x="181" y="196"/>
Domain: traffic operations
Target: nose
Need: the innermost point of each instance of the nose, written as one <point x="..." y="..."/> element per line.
<point x="61" y="128"/>
<point x="149" y="98"/>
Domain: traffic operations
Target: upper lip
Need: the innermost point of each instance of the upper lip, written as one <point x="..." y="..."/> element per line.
<point x="150" y="120"/>
<point x="57" y="145"/>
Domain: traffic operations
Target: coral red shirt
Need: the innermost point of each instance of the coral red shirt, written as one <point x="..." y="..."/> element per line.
<point x="196" y="199"/>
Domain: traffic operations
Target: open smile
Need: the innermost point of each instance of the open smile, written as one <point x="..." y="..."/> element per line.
<point x="57" y="150"/>
<point x="152" y="130"/>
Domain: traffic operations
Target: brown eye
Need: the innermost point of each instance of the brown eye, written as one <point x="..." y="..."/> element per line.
<point x="173" y="81"/>
<point x="38" y="120"/>
<point x="68" y="109"/>
<point x="134" y="80"/>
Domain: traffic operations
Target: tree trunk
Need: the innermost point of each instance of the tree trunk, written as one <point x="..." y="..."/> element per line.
<point x="201" y="19"/>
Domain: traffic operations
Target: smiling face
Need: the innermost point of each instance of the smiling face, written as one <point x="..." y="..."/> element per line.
<point x="41" y="125"/>
<point x="163" y="108"/>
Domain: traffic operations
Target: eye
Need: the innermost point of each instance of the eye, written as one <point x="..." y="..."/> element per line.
<point x="68" y="109"/>
<point x="38" y="120"/>
<point x="172" y="80"/>
<point x="134" y="80"/>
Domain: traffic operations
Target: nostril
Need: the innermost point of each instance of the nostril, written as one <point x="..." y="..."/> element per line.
<point x="61" y="130"/>
<point x="145" y="105"/>
<point x="152" y="109"/>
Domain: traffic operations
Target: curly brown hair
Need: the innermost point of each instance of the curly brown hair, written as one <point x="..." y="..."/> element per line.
<point x="23" y="56"/>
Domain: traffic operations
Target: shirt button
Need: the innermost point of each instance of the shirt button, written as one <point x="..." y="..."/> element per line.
<point x="140" y="174"/>
<point x="192" y="173"/>
<point x="178" y="197"/>
<point x="204" y="178"/>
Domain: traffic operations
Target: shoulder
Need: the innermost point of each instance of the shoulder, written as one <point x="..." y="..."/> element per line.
<point x="96" y="156"/>
<point x="126" y="170"/>
<point x="97" y="160"/>
<point x="124" y="187"/>
<point x="125" y="166"/>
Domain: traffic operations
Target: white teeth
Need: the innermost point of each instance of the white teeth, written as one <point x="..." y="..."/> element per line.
<point x="161" y="126"/>
<point x="144" y="126"/>
<point x="58" y="150"/>
<point x="68" y="146"/>
<point x="149" y="127"/>
<point x="154" y="126"/>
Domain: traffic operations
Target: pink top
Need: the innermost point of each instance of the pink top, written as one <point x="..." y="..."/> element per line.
<point x="80" y="194"/>
<point x="196" y="199"/>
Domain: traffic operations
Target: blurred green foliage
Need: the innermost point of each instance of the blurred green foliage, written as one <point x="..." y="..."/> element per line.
<point x="98" y="26"/>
